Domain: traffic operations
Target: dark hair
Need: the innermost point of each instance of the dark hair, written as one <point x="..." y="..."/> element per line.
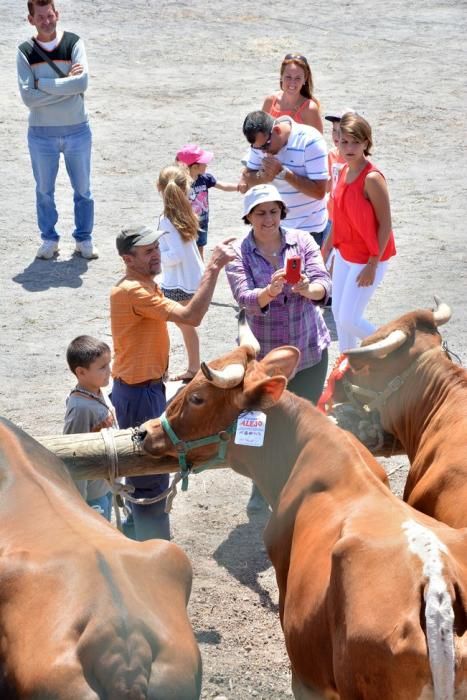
<point x="283" y="212"/>
<point x="39" y="3"/>
<point x="255" y="123"/>
<point x="354" y="125"/>
<point x="84" y="350"/>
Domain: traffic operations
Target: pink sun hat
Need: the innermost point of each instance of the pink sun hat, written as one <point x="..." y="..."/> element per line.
<point x="191" y="153"/>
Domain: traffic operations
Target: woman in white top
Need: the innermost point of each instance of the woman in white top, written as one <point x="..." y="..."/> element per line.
<point x="182" y="266"/>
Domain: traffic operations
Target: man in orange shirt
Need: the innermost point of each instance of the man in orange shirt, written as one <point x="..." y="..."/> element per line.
<point x="139" y="313"/>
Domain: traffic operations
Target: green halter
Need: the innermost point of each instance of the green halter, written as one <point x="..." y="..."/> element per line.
<point x="223" y="438"/>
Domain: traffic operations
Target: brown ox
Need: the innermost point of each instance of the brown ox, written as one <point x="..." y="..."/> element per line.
<point x="84" y="612"/>
<point x="372" y="593"/>
<point x="421" y="397"/>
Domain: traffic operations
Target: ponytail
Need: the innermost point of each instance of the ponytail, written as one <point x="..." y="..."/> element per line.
<point x="174" y="182"/>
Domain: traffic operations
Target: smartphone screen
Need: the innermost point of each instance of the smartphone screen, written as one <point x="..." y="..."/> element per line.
<point x="293" y="269"/>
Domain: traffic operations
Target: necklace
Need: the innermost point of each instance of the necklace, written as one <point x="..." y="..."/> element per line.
<point x="90" y="394"/>
<point x="273" y="254"/>
<point x="100" y="399"/>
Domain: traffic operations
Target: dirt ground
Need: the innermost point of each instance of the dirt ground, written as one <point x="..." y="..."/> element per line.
<point x="165" y="73"/>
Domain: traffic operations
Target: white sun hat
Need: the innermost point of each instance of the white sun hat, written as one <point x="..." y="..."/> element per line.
<point x="259" y="194"/>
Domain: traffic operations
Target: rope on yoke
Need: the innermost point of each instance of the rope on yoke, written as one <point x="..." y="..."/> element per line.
<point x="125" y="491"/>
<point x="112" y="460"/>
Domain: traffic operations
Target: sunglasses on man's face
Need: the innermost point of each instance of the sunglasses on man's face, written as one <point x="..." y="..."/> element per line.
<point x="266" y="144"/>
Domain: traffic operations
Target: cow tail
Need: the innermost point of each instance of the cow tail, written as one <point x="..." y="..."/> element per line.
<point x="439" y="612"/>
<point x="439" y="615"/>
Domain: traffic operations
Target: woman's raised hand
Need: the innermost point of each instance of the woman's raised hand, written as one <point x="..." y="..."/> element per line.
<point x="302" y="286"/>
<point x="277" y="282"/>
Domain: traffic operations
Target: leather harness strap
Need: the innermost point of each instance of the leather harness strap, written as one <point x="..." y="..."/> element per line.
<point x="379" y="398"/>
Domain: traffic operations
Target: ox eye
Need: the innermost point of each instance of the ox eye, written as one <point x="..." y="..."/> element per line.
<point x="196" y="400"/>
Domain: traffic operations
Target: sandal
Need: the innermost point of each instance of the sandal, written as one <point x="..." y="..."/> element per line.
<point x="184" y="377"/>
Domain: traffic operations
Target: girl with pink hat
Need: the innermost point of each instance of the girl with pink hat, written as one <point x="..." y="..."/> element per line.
<point x="197" y="160"/>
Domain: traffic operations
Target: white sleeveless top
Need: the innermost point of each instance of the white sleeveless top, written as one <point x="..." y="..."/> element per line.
<point x="182" y="266"/>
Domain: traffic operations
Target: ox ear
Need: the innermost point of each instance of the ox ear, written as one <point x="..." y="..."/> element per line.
<point x="261" y="394"/>
<point x="283" y="361"/>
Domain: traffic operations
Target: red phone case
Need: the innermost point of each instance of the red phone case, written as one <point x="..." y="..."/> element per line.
<point x="293" y="269"/>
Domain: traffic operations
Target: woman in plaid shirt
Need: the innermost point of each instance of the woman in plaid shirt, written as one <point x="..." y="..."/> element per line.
<point x="279" y="313"/>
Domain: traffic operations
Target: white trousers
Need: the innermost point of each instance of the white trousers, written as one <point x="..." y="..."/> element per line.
<point x="350" y="301"/>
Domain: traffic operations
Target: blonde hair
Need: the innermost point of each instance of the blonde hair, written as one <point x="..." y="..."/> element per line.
<point x="354" y="125"/>
<point x="174" y="183"/>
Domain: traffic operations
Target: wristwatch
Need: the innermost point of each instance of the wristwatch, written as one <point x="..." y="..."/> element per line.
<point x="282" y="173"/>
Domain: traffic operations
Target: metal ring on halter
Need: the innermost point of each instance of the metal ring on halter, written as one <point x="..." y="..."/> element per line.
<point x="125" y="490"/>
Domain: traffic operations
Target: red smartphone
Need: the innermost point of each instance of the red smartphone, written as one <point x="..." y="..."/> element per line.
<point x="293" y="269"/>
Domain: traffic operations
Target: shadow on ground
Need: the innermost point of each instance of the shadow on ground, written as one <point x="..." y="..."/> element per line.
<point x="208" y="637"/>
<point x="244" y="556"/>
<point x="40" y="275"/>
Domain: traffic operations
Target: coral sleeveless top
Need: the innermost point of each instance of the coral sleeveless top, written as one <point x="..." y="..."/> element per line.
<point x="355" y="226"/>
<point x="276" y="112"/>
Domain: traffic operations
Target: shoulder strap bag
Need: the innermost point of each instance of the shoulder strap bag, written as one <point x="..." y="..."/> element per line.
<point x="47" y="59"/>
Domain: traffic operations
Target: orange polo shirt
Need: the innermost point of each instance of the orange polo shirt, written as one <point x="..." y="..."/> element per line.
<point x="138" y="314"/>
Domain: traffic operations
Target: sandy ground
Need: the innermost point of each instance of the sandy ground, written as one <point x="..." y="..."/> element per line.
<point x="166" y="73"/>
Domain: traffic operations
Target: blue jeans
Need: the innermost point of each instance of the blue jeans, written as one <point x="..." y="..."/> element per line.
<point x="133" y="406"/>
<point x="103" y="505"/>
<point x="45" y="145"/>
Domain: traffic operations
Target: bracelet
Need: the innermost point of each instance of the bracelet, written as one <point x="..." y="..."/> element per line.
<point x="373" y="262"/>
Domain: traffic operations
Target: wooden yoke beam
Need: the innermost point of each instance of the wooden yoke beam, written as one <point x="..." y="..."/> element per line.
<point x="86" y="455"/>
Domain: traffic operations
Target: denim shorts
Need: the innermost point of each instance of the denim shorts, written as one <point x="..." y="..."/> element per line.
<point x="202" y="237"/>
<point x="177" y="294"/>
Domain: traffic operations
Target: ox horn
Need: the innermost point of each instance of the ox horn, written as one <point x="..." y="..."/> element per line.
<point x="245" y="334"/>
<point x="442" y="313"/>
<point x="381" y="348"/>
<point x="225" y="378"/>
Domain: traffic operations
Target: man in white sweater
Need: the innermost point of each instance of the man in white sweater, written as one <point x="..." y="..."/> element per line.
<point x="52" y="77"/>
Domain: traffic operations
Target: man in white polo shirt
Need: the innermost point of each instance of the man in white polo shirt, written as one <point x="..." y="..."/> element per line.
<point x="294" y="156"/>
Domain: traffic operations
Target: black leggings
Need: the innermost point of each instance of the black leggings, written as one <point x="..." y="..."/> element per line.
<point x="309" y="382"/>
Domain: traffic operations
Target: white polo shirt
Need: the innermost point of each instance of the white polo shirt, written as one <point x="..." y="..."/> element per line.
<point x="305" y="154"/>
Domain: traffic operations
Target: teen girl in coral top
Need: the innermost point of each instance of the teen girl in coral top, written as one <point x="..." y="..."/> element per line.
<point x="361" y="233"/>
<point x="295" y="99"/>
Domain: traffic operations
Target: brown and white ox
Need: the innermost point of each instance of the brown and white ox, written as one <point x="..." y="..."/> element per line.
<point x="421" y="397"/>
<point x="85" y="613"/>
<point x="373" y="594"/>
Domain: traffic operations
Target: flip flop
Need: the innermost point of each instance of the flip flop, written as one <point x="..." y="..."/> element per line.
<point x="184" y="377"/>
